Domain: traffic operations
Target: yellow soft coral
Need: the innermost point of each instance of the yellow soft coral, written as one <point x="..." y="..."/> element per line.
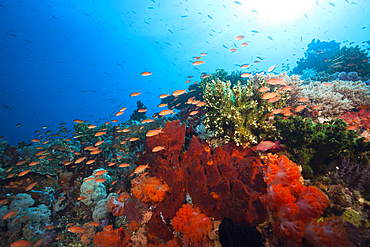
<point x="149" y="189"/>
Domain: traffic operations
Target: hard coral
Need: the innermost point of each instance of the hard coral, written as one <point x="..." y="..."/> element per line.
<point x="149" y="189"/>
<point x="192" y="224"/>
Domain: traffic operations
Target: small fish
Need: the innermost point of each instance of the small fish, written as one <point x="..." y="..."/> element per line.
<point x="269" y="95"/>
<point x="133" y="139"/>
<point x="302" y="99"/>
<point x="10" y="214"/>
<point x="178" y="92"/>
<point x="198" y="63"/>
<point x="328" y="84"/>
<point x="244" y="75"/>
<point x="18" y="125"/>
<point x="153" y="132"/>
<point x="75" y="229"/>
<point x="299" y="108"/>
<point x="276" y="111"/>
<point x="263" y="89"/>
<point x="274" y="99"/>
<point x="238" y="2"/>
<point x="193" y="113"/>
<point x="100" y="133"/>
<point x="135" y="94"/>
<point x="203" y="54"/>
<point x="233" y="50"/>
<point x="245" y="66"/>
<point x="270" y="38"/>
<point x="316" y="107"/>
<point x="266" y="145"/>
<point x="100" y="180"/>
<point x="245" y="44"/>
<point x="23" y="173"/>
<point x="254" y="31"/>
<point x="140" y="169"/>
<point x="123" y="165"/>
<point x="287" y="88"/>
<point x="239" y="37"/>
<point x="165" y="112"/>
<point x="276" y="81"/>
<point x="332" y="4"/>
<point x="158" y="148"/>
<point x="21" y="243"/>
<point x="146" y="73"/>
<point x="271" y="68"/>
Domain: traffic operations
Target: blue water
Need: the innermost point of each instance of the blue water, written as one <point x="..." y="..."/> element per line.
<point x="62" y="60"/>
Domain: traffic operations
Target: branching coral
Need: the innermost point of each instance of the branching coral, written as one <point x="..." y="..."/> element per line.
<point x="149" y="189"/>
<point x="192" y="224"/>
<point x="239" y="113"/>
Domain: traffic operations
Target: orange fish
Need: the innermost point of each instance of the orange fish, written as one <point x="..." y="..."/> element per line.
<point x="316" y="107"/>
<point x="118" y="114"/>
<point x="94" y="224"/>
<point x="239" y="37"/>
<point x="153" y="132"/>
<point x="196" y="58"/>
<point x="33" y="163"/>
<point x="276" y="81"/>
<point x="35" y="140"/>
<point x="146" y="73"/>
<point x="276" y="111"/>
<point x="266" y="145"/>
<point x="193" y="113"/>
<point x="29" y="187"/>
<point x="274" y="99"/>
<point x="328" y="84"/>
<point x="80" y="160"/>
<point x="21" y="162"/>
<point x="40" y="153"/>
<point x="162" y="96"/>
<point x="49" y="227"/>
<point x="99" y="173"/>
<point x="140" y="168"/>
<point x="269" y="95"/>
<point x="203" y="54"/>
<point x="245" y="66"/>
<point x="100" y="133"/>
<point x="78" y="121"/>
<point x="165" y="112"/>
<point x="233" y="50"/>
<point x="302" y="99"/>
<point x="244" y="75"/>
<point x="21" y="243"/>
<point x="245" y="44"/>
<point x="299" y="108"/>
<point x="98" y="143"/>
<point x="178" y="92"/>
<point x="263" y="89"/>
<point x="124" y="165"/>
<point x="100" y="180"/>
<point x="88" y="179"/>
<point x="271" y="68"/>
<point x="133" y="139"/>
<point x="158" y="148"/>
<point x="81" y="198"/>
<point x="162" y="105"/>
<point x="76" y="229"/>
<point x="4" y="201"/>
<point x="142" y="110"/>
<point x="23" y="173"/>
<point x="95" y="152"/>
<point x="147" y="121"/>
<point x="352" y="127"/>
<point x="200" y="104"/>
<point x="39" y="242"/>
<point x="287" y="88"/>
<point x="135" y="94"/>
<point x="10" y="214"/>
<point x="198" y="62"/>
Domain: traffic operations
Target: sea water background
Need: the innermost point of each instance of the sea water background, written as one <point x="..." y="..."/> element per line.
<point x="62" y="60"/>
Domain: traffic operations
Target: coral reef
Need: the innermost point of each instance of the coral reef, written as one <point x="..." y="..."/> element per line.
<point x="353" y="174"/>
<point x="349" y="59"/>
<point x="315" y="145"/>
<point x="149" y="189"/>
<point x="138" y="115"/>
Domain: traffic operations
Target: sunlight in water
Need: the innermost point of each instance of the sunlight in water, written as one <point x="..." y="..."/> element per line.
<point x="278" y="11"/>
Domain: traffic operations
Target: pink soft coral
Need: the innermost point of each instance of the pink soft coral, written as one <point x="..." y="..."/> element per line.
<point x="193" y="224"/>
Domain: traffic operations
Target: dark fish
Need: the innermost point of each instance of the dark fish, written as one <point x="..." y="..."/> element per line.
<point x="146" y="22"/>
<point x="332" y="4"/>
<point x="363" y="27"/>
<point x="238" y="2"/>
<point x="170" y="31"/>
<point x="12" y="34"/>
<point x="224" y="46"/>
<point x="6" y="107"/>
<point x="150" y="8"/>
<point x="18" y="125"/>
<point x="183" y="16"/>
<point x="255" y="31"/>
<point x="270" y="38"/>
<point x="210" y="17"/>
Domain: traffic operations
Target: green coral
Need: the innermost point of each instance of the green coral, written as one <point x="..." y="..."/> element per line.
<point x="222" y="75"/>
<point x="350" y="59"/>
<point x="315" y="145"/>
<point x="239" y="112"/>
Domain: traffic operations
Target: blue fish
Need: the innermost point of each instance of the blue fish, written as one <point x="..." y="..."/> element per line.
<point x="238" y="2"/>
<point x="255" y="31"/>
<point x="305" y="15"/>
<point x="183" y="16"/>
<point x="332" y="4"/>
<point x="270" y="38"/>
<point x="210" y="17"/>
<point x="170" y="31"/>
<point x="224" y="46"/>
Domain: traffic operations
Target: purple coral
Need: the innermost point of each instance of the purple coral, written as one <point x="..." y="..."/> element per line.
<point x="354" y="175"/>
<point x="343" y="76"/>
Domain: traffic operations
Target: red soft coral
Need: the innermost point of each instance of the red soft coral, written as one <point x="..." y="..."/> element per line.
<point x="193" y="224"/>
<point x="149" y="189"/>
<point x="111" y="238"/>
<point x="116" y="207"/>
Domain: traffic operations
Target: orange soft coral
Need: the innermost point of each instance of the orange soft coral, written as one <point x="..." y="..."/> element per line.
<point x="296" y="207"/>
<point x="111" y="238"/>
<point x="192" y="224"/>
<point x="116" y="207"/>
<point x="149" y="189"/>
